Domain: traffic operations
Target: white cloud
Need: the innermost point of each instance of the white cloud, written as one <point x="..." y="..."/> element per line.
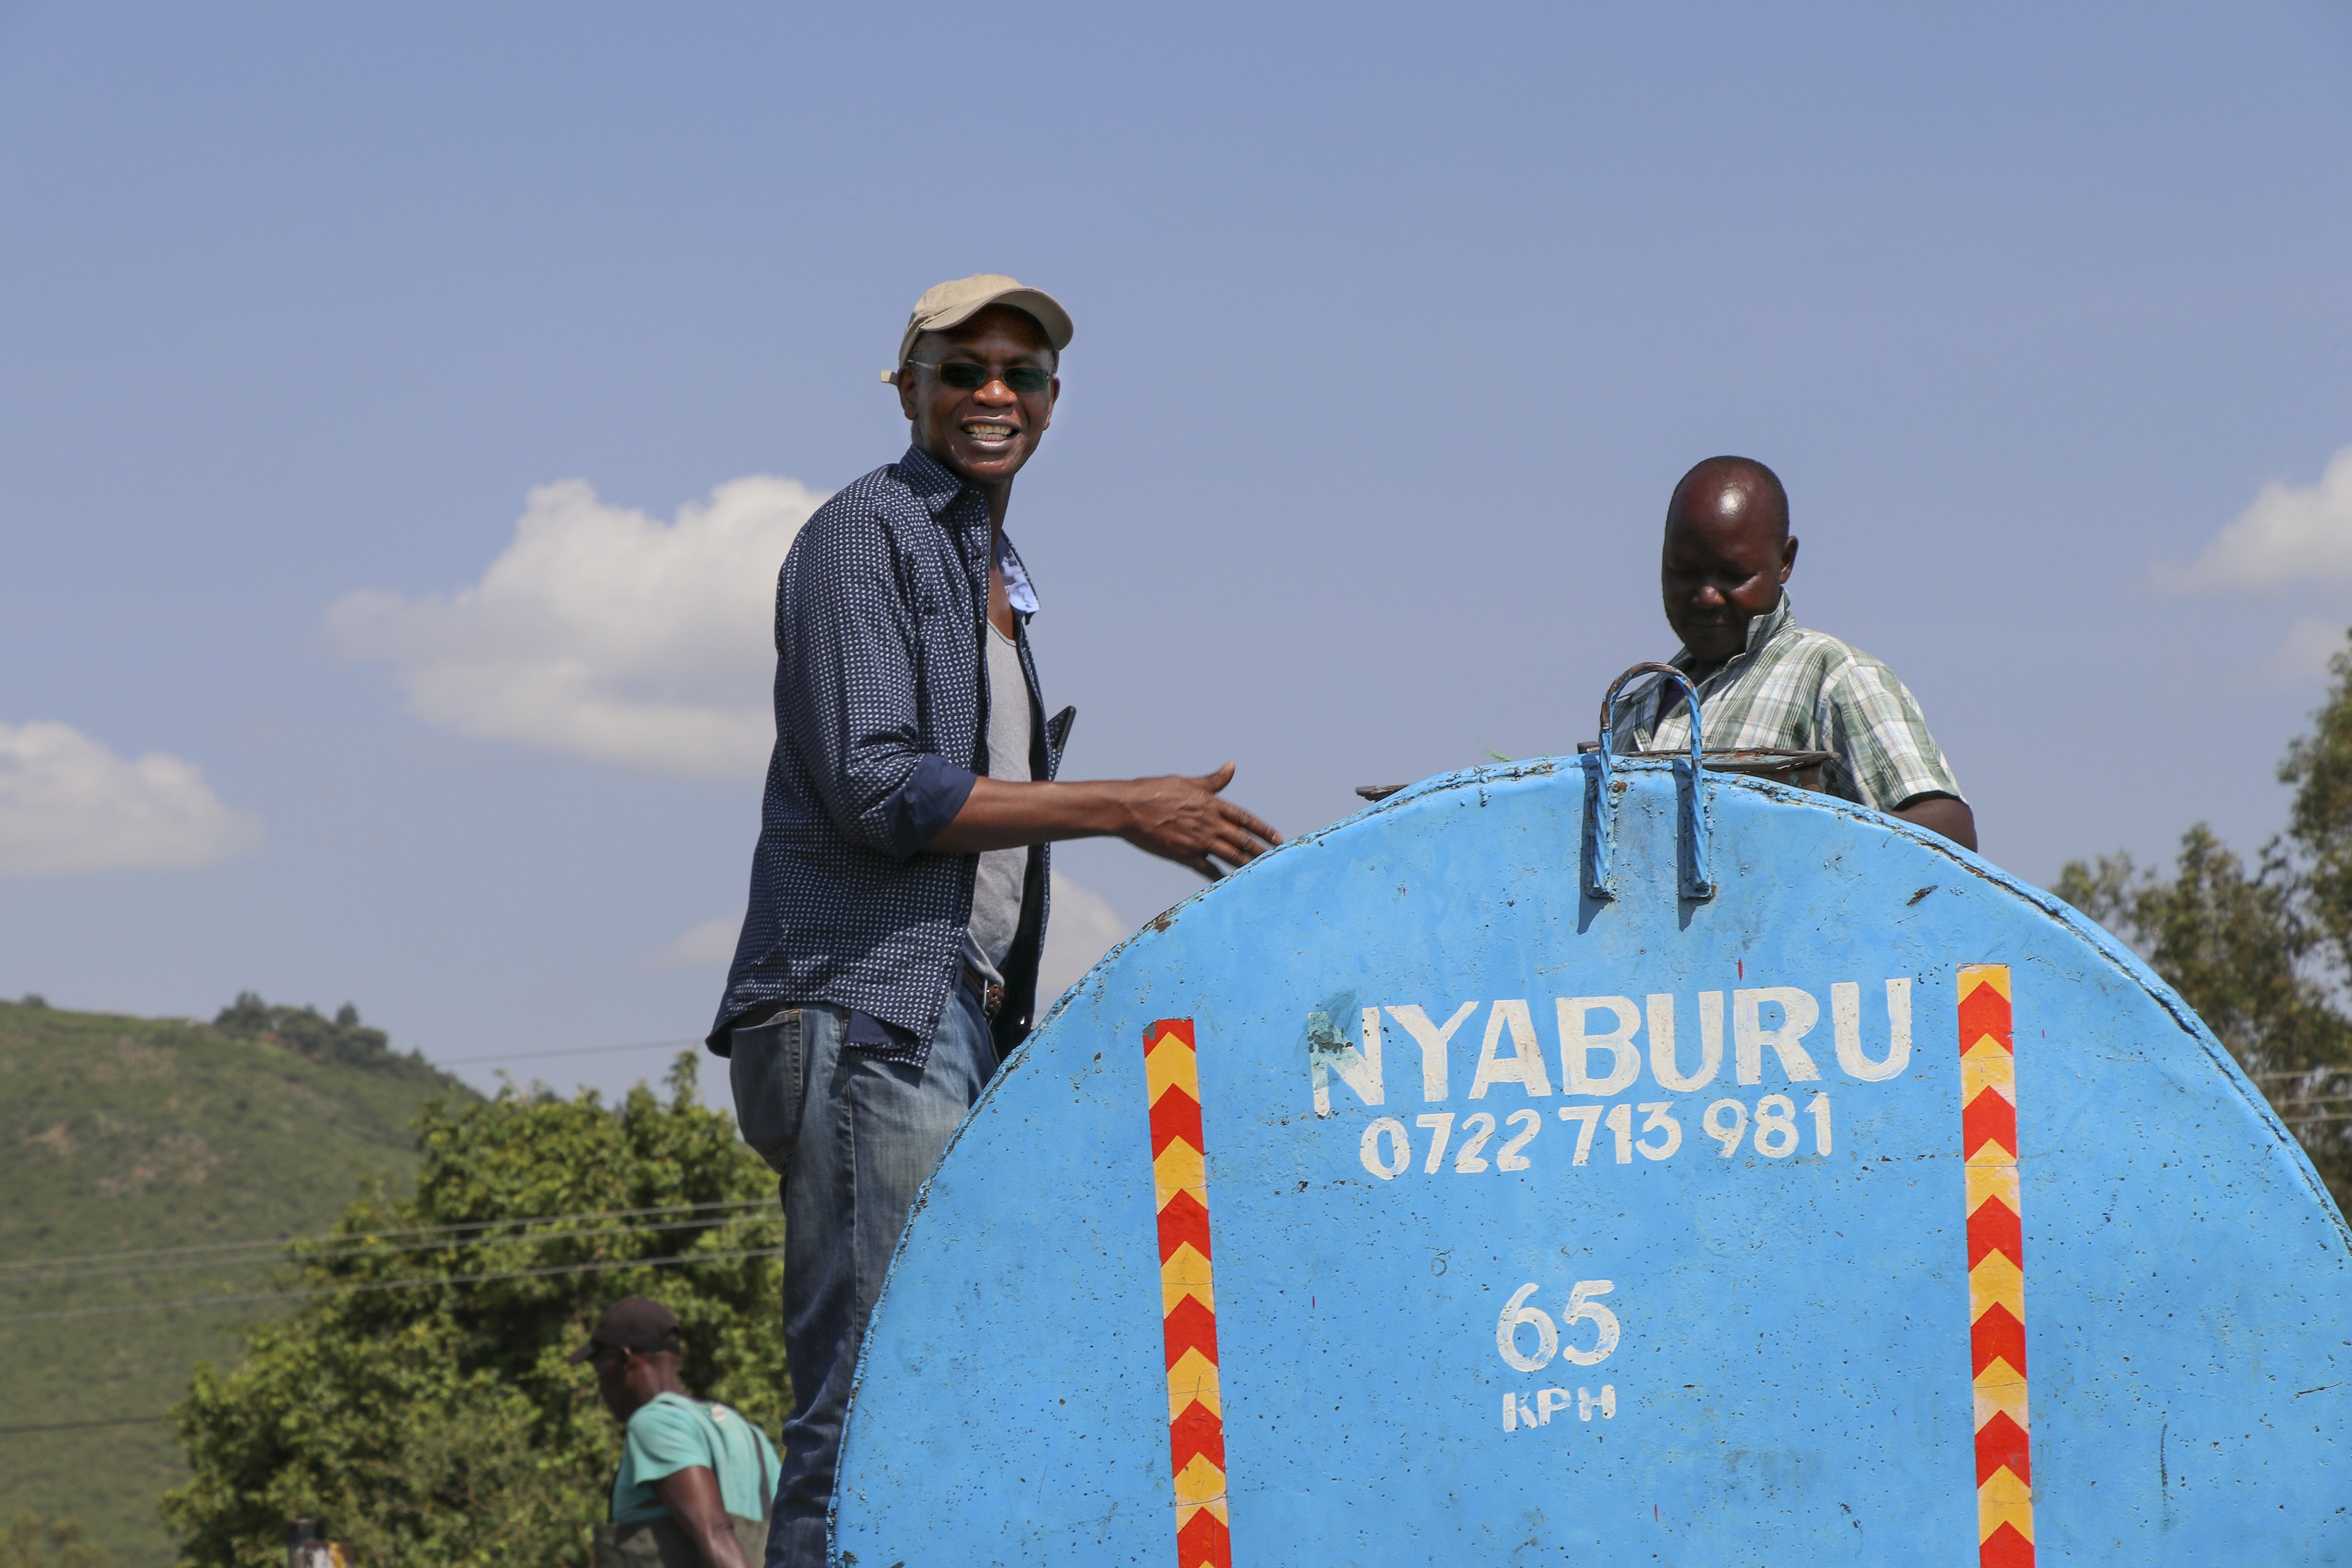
<point x="604" y="633"/>
<point x="69" y="803"/>
<point x="2303" y="654"/>
<point x="1083" y="928"/>
<point x="2290" y="537"/>
<point x="704" y="946"/>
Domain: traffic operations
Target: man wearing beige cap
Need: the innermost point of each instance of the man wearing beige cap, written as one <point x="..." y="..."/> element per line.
<point x="889" y="960"/>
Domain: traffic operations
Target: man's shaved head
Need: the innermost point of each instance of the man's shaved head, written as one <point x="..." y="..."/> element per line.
<point x="1729" y="486"/>
<point x="1726" y="552"/>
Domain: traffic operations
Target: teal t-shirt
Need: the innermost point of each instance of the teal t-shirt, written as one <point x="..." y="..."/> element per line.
<point x="670" y="1433"/>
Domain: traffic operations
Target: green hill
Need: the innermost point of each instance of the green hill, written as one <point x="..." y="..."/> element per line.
<point x="124" y="1134"/>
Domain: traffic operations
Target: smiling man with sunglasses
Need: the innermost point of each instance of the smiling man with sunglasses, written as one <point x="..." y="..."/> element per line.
<point x="889" y="960"/>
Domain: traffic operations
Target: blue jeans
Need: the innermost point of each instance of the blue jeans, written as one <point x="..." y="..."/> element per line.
<point x="853" y="1139"/>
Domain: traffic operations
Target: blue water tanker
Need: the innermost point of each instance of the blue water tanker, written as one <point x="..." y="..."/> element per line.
<point x="1612" y="1160"/>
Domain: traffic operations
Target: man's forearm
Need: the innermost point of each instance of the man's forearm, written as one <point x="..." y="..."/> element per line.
<point x="1945" y="814"/>
<point x="716" y="1539"/>
<point x="1179" y="818"/>
<point x="700" y="1510"/>
<point x="1003" y="815"/>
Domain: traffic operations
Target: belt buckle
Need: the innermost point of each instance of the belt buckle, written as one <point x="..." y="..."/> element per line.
<point x="989" y="993"/>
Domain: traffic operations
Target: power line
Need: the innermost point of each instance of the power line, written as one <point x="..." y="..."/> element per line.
<point x="435" y="1245"/>
<point x="674" y="1260"/>
<point x="368" y="1244"/>
<point x="83" y="1425"/>
<point x="330" y="1238"/>
<point x="680" y="1259"/>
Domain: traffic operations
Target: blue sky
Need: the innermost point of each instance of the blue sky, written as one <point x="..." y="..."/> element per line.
<point x="1395" y="327"/>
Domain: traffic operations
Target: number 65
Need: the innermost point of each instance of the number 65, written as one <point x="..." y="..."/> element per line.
<point x="1582" y="1308"/>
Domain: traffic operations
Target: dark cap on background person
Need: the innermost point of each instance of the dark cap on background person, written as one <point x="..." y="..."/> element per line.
<point x="946" y="305"/>
<point x="633" y="1323"/>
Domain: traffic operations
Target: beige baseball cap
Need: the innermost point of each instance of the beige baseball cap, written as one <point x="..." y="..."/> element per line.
<point x="944" y="305"/>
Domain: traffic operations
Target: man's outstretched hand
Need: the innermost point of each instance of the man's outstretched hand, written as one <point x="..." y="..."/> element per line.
<point x="1179" y="818"/>
<point x="1187" y="820"/>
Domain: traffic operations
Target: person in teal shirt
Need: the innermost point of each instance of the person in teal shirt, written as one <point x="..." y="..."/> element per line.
<point x="696" y="1479"/>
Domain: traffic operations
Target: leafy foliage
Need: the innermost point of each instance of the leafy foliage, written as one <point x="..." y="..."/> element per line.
<point x="32" y="1542"/>
<point x="2263" y="955"/>
<point x="309" y="1033"/>
<point x="2320" y="824"/>
<point x="439" y="1423"/>
<point x="124" y="1134"/>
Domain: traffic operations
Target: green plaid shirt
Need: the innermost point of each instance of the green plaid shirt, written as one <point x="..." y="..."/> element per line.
<point x="1792" y="690"/>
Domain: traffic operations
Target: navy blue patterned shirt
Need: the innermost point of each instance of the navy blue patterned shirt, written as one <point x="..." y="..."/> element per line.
<point x="881" y="727"/>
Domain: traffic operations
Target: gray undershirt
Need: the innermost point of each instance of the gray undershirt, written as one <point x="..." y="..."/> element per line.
<point x="996" y="892"/>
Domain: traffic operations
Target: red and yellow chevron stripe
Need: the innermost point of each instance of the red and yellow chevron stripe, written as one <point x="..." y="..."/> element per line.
<point x="1996" y="1268"/>
<point x="1188" y="1304"/>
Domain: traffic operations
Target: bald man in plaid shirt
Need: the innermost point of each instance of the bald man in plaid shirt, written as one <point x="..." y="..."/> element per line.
<point x="1763" y="682"/>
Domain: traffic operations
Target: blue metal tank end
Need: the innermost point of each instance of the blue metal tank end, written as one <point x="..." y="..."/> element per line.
<point x="1552" y="1228"/>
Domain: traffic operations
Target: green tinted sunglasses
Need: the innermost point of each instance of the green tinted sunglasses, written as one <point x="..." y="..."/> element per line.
<point x="1025" y="380"/>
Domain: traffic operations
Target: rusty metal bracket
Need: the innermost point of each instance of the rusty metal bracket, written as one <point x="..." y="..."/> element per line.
<point x="1602" y="791"/>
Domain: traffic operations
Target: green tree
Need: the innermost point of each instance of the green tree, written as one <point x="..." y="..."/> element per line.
<point x="310" y="1033"/>
<point x="425" y="1414"/>
<point x="32" y="1542"/>
<point x="2320" y="824"/>
<point x="2262" y="955"/>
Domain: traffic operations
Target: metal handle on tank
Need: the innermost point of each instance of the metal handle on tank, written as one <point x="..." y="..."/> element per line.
<point x="1600" y="796"/>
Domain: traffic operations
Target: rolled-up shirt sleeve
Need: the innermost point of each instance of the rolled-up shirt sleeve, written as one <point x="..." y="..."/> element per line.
<point x="847" y="674"/>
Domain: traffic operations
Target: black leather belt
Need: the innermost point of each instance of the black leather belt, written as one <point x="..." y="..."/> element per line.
<point x="986" y="991"/>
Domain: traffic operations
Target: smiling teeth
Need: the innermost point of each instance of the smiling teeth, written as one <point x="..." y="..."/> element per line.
<point x="990" y="432"/>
